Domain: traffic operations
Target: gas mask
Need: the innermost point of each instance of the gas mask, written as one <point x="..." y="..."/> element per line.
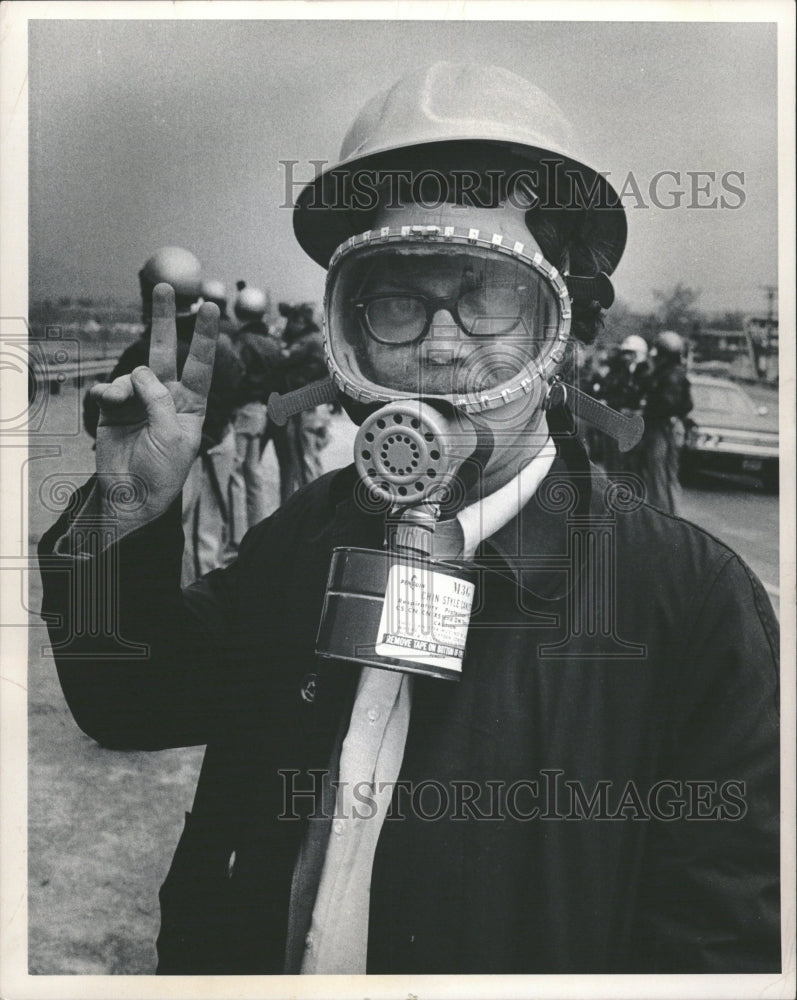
<point x="447" y="336"/>
<point x="446" y="339"/>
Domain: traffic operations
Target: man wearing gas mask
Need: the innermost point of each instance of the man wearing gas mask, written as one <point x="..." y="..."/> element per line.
<point x="468" y="707"/>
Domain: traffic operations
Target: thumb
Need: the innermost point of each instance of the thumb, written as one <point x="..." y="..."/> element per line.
<point x="112" y="393"/>
<point x="153" y="395"/>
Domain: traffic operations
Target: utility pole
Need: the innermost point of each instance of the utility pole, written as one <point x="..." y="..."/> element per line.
<point x="771" y="291"/>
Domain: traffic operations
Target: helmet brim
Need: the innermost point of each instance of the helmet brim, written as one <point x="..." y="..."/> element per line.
<point x="321" y="223"/>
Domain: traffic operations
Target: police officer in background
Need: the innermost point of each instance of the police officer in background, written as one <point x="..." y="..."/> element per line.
<point x="667" y="404"/>
<point x="215" y="291"/>
<point x="260" y="355"/>
<point x="623" y="389"/>
<point x="207" y="507"/>
<point x="307" y="432"/>
<point x="634" y="350"/>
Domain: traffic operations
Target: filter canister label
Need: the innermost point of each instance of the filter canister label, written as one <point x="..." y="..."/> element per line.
<point x="425" y="616"/>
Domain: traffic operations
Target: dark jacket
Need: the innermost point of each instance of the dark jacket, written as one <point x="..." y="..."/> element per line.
<point x="224" y="386"/>
<point x="304" y="360"/>
<point x="676" y="682"/>
<point x="262" y="360"/>
<point x="623" y="389"/>
<point x="667" y="393"/>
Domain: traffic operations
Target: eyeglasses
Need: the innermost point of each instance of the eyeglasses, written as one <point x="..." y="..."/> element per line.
<point x="487" y="311"/>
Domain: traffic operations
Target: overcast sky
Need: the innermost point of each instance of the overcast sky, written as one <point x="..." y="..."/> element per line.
<point x="145" y="133"/>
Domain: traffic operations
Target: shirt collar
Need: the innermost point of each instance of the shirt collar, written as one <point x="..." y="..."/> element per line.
<point x="535" y="546"/>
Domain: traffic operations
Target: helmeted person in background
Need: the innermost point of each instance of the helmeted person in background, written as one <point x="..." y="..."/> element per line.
<point x="307" y="432"/>
<point x="592" y="368"/>
<point x="553" y="661"/>
<point x="634" y="350"/>
<point x="207" y="499"/>
<point x="215" y="291"/>
<point x="260" y="356"/>
<point x="667" y="404"/>
<point x="250" y="308"/>
<point x="623" y="389"/>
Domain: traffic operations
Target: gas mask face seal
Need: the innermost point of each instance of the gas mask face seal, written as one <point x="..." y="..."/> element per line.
<point x="455" y="316"/>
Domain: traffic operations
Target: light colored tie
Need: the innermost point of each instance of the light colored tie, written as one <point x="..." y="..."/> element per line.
<point x="370" y="761"/>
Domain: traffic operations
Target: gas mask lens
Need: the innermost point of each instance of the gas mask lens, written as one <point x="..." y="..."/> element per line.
<point x="459" y="321"/>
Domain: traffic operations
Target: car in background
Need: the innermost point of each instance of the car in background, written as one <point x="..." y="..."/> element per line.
<point x="728" y="432"/>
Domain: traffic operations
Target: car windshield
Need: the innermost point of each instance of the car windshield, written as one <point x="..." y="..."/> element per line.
<point x="720" y="397"/>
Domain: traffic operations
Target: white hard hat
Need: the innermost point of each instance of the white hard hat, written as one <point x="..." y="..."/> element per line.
<point x="637" y="344"/>
<point x="251" y="303"/>
<point x="669" y="342"/>
<point x="214" y="290"/>
<point x="176" y="266"/>
<point x="463" y="113"/>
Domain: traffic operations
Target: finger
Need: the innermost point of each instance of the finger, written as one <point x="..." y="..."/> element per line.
<point x="153" y="395"/>
<point x="163" y="341"/>
<point x="198" y="368"/>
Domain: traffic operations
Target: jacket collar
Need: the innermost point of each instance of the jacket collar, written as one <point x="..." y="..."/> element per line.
<point x="535" y="546"/>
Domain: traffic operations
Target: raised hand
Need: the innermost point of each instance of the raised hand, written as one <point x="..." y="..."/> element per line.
<point x="150" y="425"/>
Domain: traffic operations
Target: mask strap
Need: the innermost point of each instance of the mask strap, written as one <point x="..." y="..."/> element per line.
<point x="282" y="407"/>
<point x="566" y="399"/>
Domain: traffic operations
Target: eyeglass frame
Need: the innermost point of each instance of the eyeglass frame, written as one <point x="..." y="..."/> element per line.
<point x="432" y="305"/>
